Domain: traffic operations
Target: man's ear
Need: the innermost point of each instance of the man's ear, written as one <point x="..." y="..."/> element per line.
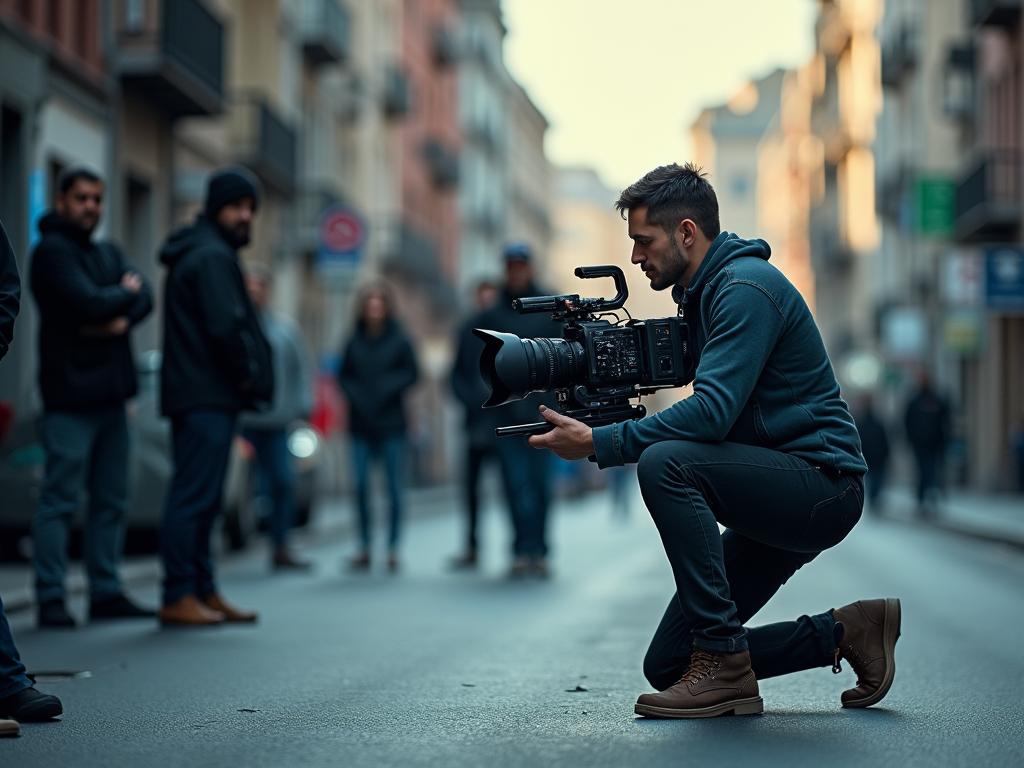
<point x="687" y="233"/>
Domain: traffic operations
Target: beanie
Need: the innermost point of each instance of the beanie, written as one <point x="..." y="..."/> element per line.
<point x="227" y="186"/>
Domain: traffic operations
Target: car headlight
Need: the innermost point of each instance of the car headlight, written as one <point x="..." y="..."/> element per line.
<point x="303" y="443"/>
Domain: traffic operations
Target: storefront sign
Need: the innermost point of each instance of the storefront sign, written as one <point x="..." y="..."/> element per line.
<point x="963" y="331"/>
<point x="1004" y="278"/>
<point x="963" y="279"/>
<point x="936" y="206"/>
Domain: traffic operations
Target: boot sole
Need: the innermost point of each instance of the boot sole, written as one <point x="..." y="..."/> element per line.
<point x="751" y="706"/>
<point x="890" y="633"/>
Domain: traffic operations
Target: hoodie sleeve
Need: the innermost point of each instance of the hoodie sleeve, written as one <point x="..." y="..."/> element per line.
<point x="10" y="292"/>
<point x="222" y="303"/>
<point x="59" y="278"/>
<point x="143" y="303"/>
<point x="745" y="325"/>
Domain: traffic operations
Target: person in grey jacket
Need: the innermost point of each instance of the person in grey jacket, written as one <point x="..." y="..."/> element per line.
<point x="765" y="446"/>
<point x="267" y="431"/>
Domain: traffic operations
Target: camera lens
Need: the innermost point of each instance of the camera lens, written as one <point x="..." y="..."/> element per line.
<point x="516" y="367"/>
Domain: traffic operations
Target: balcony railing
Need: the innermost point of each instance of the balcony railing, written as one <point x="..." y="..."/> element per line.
<point x="325" y="31"/>
<point x="443" y="163"/>
<point x="988" y="199"/>
<point x="264" y="142"/>
<point x="172" y="51"/>
<point x="995" y="12"/>
<point x="446" y="46"/>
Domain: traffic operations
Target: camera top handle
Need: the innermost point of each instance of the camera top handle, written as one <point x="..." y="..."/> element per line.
<point x="572" y="303"/>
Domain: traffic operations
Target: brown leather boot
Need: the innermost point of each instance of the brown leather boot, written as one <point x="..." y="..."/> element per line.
<point x="870" y="631"/>
<point x="715" y="683"/>
<point x="231" y="613"/>
<point x="189" y="612"/>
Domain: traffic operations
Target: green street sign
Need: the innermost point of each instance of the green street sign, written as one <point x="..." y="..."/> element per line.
<point x="935" y="202"/>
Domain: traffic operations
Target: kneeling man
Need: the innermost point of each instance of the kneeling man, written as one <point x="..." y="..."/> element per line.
<point x="765" y="446"/>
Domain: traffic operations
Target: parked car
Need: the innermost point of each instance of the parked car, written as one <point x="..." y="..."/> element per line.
<point x="149" y="470"/>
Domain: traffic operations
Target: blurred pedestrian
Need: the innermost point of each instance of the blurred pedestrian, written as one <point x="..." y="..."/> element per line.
<point x="481" y="442"/>
<point x="927" y="428"/>
<point x="267" y="431"/>
<point x="1017" y="445"/>
<point x="19" y="700"/>
<point x="874" y="445"/>
<point x="89" y="299"/>
<point x="526" y="472"/>
<point x="217" y="363"/>
<point x="377" y="369"/>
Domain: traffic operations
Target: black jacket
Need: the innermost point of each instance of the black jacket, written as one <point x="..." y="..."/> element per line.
<point x="501" y="317"/>
<point x="77" y="283"/>
<point x="470" y="389"/>
<point x="375" y="373"/>
<point x="10" y="292"/>
<point x="874" y="440"/>
<point x="927" y="422"/>
<point x="215" y="353"/>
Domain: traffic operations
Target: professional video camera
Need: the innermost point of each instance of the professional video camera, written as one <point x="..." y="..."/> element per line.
<point x="599" y="365"/>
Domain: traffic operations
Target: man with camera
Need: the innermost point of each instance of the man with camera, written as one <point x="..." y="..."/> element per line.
<point x="765" y="446"/>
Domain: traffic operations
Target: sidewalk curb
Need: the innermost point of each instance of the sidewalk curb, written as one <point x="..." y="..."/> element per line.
<point x="989" y="535"/>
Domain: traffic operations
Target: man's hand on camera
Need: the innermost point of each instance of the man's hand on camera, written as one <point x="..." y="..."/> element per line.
<point x="569" y="439"/>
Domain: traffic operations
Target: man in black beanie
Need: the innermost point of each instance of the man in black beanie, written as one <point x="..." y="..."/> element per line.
<point x="216" y="363"/>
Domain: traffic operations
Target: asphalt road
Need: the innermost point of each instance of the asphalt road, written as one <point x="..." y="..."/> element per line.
<point x="428" y="668"/>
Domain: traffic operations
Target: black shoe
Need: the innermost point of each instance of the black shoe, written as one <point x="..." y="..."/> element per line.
<point x="52" y="613"/>
<point x="119" y="607"/>
<point x="30" y="706"/>
<point x="466" y="562"/>
<point x="285" y="560"/>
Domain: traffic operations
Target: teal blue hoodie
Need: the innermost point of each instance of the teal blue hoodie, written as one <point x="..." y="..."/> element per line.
<point x="763" y="377"/>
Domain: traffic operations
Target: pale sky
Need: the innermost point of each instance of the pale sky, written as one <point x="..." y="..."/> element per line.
<point x="621" y="81"/>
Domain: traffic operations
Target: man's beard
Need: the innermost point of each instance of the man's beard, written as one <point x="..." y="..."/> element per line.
<point x="236" y="236"/>
<point x="674" y="266"/>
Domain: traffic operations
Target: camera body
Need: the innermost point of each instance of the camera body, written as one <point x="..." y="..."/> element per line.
<point x="598" y="365"/>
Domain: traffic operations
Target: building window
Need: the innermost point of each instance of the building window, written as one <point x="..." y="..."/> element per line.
<point x="135" y="15"/>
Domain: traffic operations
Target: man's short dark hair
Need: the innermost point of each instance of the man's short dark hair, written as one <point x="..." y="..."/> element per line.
<point x="672" y="193"/>
<point x="73" y="173"/>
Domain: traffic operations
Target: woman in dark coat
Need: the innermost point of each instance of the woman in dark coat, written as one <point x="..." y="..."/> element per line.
<point x="378" y="366"/>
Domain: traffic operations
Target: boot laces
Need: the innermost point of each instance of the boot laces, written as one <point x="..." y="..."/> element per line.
<point x="849" y="653"/>
<point x="702" y="664"/>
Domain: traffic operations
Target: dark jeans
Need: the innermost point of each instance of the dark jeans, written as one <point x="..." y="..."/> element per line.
<point x="202" y="448"/>
<point x="12" y="671"/>
<point x="275" y="465"/>
<point x="84" y="451"/>
<point x="391" y="451"/>
<point x="526" y="474"/>
<point x="929" y="466"/>
<point x="476" y="455"/>
<point x="780" y="513"/>
<point x="875" y="482"/>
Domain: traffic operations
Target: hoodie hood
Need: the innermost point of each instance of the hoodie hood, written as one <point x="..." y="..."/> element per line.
<point x="54" y="222"/>
<point x="724" y="249"/>
<point x="181" y="241"/>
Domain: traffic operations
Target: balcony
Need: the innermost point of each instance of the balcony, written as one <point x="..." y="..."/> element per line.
<point x="411" y="253"/>
<point x="396" y="93"/>
<point x="264" y="143"/>
<point x="325" y="31"/>
<point x="443" y="163"/>
<point x="899" y="56"/>
<point x="988" y="199"/>
<point x="172" y="52"/>
<point x="995" y="13"/>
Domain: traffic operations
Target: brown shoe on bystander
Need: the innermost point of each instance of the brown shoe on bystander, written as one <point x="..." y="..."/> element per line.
<point x="870" y="631"/>
<point x="9" y="727"/>
<point x="189" y="612"/>
<point x="231" y="613"/>
<point x="715" y="683"/>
